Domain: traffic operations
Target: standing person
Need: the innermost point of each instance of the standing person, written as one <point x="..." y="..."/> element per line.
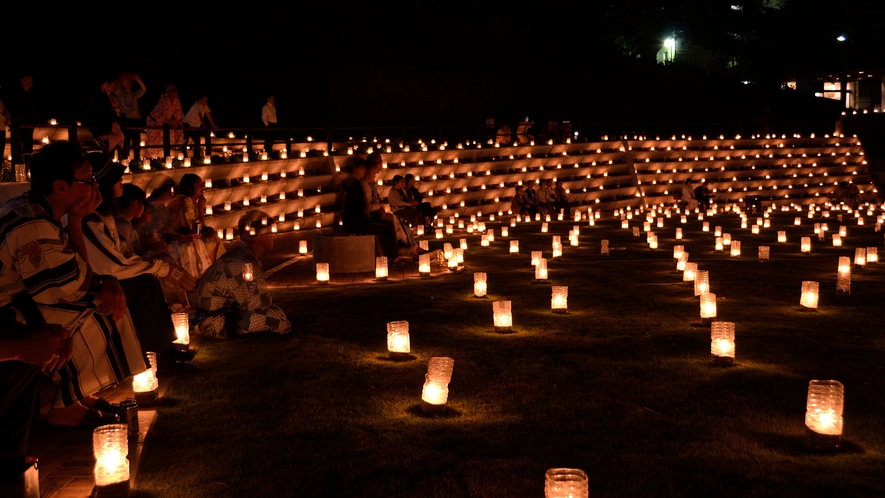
<point x="46" y="278"/>
<point x="103" y="116"/>
<point x="516" y="206"/>
<point x="232" y="303"/>
<point x="197" y="120"/>
<point x="269" y="118"/>
<point x="4" y="123"/>
<point x="167" y="111"/>
<point x="21" y="102"/>
<point x="128" y="99"/>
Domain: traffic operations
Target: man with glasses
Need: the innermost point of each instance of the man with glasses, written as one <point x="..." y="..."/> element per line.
<point x="232" y="295"/>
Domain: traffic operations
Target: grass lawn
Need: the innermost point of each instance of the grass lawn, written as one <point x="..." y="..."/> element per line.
<point x="622" y="387"/>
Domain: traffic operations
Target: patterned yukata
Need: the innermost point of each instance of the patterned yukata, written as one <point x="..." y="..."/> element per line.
<point x="165" y="111"/>
<point x="223" y="287"/>
<point x="42" y="279"/>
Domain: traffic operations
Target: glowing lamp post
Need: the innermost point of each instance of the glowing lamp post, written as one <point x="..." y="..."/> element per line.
<point x="144" y="385"/>
<point x="565" y="483"/>
<point x="781" y="237"/>
<point x="502" y="316"/>
<point x="701" y="283"/>
<point x="424" y="265"/>
<point x="708" y="308"/>
<point x="323" y="273"/>
<point x="436" y="385"/>
<point x="398" y="347"/>
<point x="735" y="249"/>
<point x="823" y="414"/>
<point x="805" y="245"/>
<point x="111" y="449"/>
<point x="843" y="277"/>
<point x="541" y="270"/>
<point x="182" y="329"/>
<point x="722" y="342"/>
<point x="480" y="285"/>
<point x="381" y="268"/>
<point x="690" y="272"/>
<point x="559" y="300"/>
<point x="810" y="295"/>
<point x="764" y="252"/>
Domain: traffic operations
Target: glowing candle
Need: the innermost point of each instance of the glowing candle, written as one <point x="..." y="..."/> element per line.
<point x="860" y="256"/>
<point x="111" y="449"/>
<point x="182" y="328"/>
<point x="706" y="227"/>
<point x="701" y="282"/>
<point x="565" y="483"/>
<point x="398" y="347"/>
<point x="447" y="251"/>
<point x="541" y="270"/>
<point x="722" y="342"/>
<point x="781" y="237"/>
<point x="439" y="233"/>
<point x="435" y="393"/>
<point x="505" y="232"/>
<point x="708" y="308"/>
<point x="678" y="251"/>
<point x="559" y="299"/>
<point x="502" y="316"/>
<point x="144" y="385"/>
<point x="678" y="234"/>
<point x="625" y="225"/>
<point x="719" y="244"/>
<point x="424" y="265"/>
<point x="543" y="227"/>
<point x="484" y="240"/>
<point x="480" y="284"/>
<point x="873" y="255"/>
<point x="717" y="231"/>
<point x="680" y="264"/>
<point x="764" y="252"/>
<point x="805" y="246"/>
<point x="837" y="240"/>
<point x="735" y="249"/>
<point x="302" y="247"/>
<point x="797" y="221"/>
<point x="514" y="247"/>
<point x="810" y="294"/>
<point x="381" y="268"/>
<point x="843" y="276"/>
<point x="323" y="273"/>
<point x="463" y="244"/>
<point x="690" y="272"/>
<point x="823" y="414"/>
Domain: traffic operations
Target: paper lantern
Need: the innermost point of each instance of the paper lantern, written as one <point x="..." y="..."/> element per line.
<point x="683" y="219"/>
<point x="823" y="414"/>
<point x="576" y="230"/>
<point x="505" y="232"/>
<point x="463" y="244"/>
<point x="726" y="239"/>
<point x="447" y="251"/>
<point x="514" y="247"/>
<point x="450" y="229"/>
<point x="678" y="251"/>
<point x="559" y="299"/>
<point x="755" y="230"/>
<point x="381" y="268"/>
<point x="744" y="224"/>
<point x="424" y="245"/>
<point x="547" y="217"/>
<point x="843" y="276"/>
<point x="766" y="224"/>
<point x="439" y="233"/>
<point x="603" y="247"/>
<point x="717" y="231"/>
<point x="701" y="282"/>
<point x="810" y="294"/>
<point x="182" y="328"/>
<point x="502" y="316"/>
<point x="491" y="235"/>
<point x="536" y="255"/>
<point x="722" y="342"/>
<point x="646" y="227"/>
<point x="144" y="385"/>
<point x="798" y="221"/>
<point x="837" y="240"/>
<point x="781" y="237"/>
<point x="110" y="445"/>
<point x="459" y="255"/>
<point x="860" y="256"/>
<point x="484" y="240"/>
<point x="543" y="228"/>
<point x="719" y="244"/>
<point x="764" y="252"/>
<point x="625" y="225"/>
<point x="636" y="231"/>
<point x="565" y="483"/>
<point x="805" y="245"/>
<point x="690" y="272"/>
<point x="735" y="249"/>
<point x="557" y="249"/>
<point x="708" y="308"/>
<point x="480" y="285"/>
<point x="419" y="231"/>
<point x="541" y="270"/>
<point x="680" y="263"/>
<point x="435" y="393"/>
<point x="302" y="247"/>
<point x="653" y="242"/>
<point x="424" y="265"/>
<point x="229" y="235"/>
<point x="323" y="273"/>
<point x="660" y="222"/>
<point x="453" y="263"/>
<point x="872" y="255"/>
<point x="398" y="347"/>
<point x="248" y="274"/>
<point x="706" y="227"/>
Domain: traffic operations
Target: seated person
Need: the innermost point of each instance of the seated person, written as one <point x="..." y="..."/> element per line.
<point x="847" y="193"/>
<point x="561" y="203"/>
<point x="522" y="132"/>
<point x="232" y="303"/>
<point x="47" y="279"/>
<point x="516" y="206"/>
<point x="139" y="278"/>
<point x="530" y="199"/>
<point x="192" y="246"/>
<point x="504" y="136"/>
<point x="357" y="219"/>
<point x="702" y="194"/>
<point x="414" y="194"/>
<point x="688" y="196"/>
<point x="403" y="207"/>
<point x="546" y="198"/>
<point x="380" y="211"/>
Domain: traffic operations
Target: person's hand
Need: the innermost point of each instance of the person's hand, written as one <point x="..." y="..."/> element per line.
<point x="87" y="204"/>
<point x="113" y="301"/>
<point x="48" y="347"/>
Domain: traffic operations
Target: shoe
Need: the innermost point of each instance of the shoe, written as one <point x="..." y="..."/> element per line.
<point x="174" y="355"/>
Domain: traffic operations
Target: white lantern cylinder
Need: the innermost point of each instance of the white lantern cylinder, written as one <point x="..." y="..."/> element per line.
<point x="701" y="282"/>
<point x="823" y="414"/>
<point x="678" y="234"/>
<point x="543" y="227"/>
<point x="541" y="270"/>
<point x="439" y="233"/>
<point x="690" y="272"/>
<point x="480" y="284"/>
<point x="678" y="251"/>
<point x="463" y="243"/>
<point x="557" y="249"/>
<point x="398" y="346"/>
<point x="323" y="273"/>
<point x="110" y="445"/>
<point x="447" y="251"/>
<point x="680" y="264"/>
<point x="705" y="227"/>
<point x="505" y="232"/>
<point x="805" y="245"/>
<point x="873" y="255"/>
<point x="755" y="229"/>
<point x="843" y="276"/>
<point x="764" y="252"/>
<point x="726" y="239"/>
<point x="717" y="231"/>
<point x="144" y="386"/>
<point x="719" y="244"/>
<point x="781" y="237"/>
<point x="625" y="225"/>
<point x="860" y="256"/>
<point x="302" y="247"/>
<point x="722" y="342"/>
<point x="514" y="247"/>
<point x="837" y="240"/>
<point x="708" y="308"/>
<point x="735" y="249"/>
<point x="503" y="318"/>
<point x="381" y="268"/>
<point x="810" y="294"/>
<point x="797" y="221"/>
<point x="536" y="255"/>
<point x="435" y="393"/>
<point x="565" y="483"/>
<point x="424" y="265"/>
<point x="559" y="299"/>
<point x="182" y="328"/>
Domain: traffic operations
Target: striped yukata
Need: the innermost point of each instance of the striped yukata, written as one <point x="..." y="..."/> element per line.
<point x="42" y="279"/>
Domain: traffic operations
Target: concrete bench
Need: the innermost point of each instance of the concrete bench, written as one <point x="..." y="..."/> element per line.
<point x="345" y="253"/>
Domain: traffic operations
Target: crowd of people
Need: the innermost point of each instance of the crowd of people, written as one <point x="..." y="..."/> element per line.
<point x="90" y="272"/>
<point x="550" y="197"/>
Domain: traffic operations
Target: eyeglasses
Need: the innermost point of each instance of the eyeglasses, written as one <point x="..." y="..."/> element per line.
<point x="86" y="182"/>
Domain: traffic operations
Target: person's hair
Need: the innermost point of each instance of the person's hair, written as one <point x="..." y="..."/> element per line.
<point x="409" y="176"/>
<point x="374" y="156"/>
<point x="396" y="179"/>
<point x="107" y="174"/>
<point x="253" y="219"/>
<point x="358" y="162"/>
<point x="56" y="161"/>
<point x="187" y="184"/>
<point x="843" y="184"/>
<point x="162" y="190"/>
<point x="131" y="193"/>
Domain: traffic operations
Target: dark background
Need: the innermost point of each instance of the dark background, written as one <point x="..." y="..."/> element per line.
<point x="411" y="63"/>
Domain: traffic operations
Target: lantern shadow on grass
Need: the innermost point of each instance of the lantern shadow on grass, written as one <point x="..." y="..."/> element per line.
<point x="794" y="445"/>
<point x="450" y="413"/>
<point x="403" y="359"/>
